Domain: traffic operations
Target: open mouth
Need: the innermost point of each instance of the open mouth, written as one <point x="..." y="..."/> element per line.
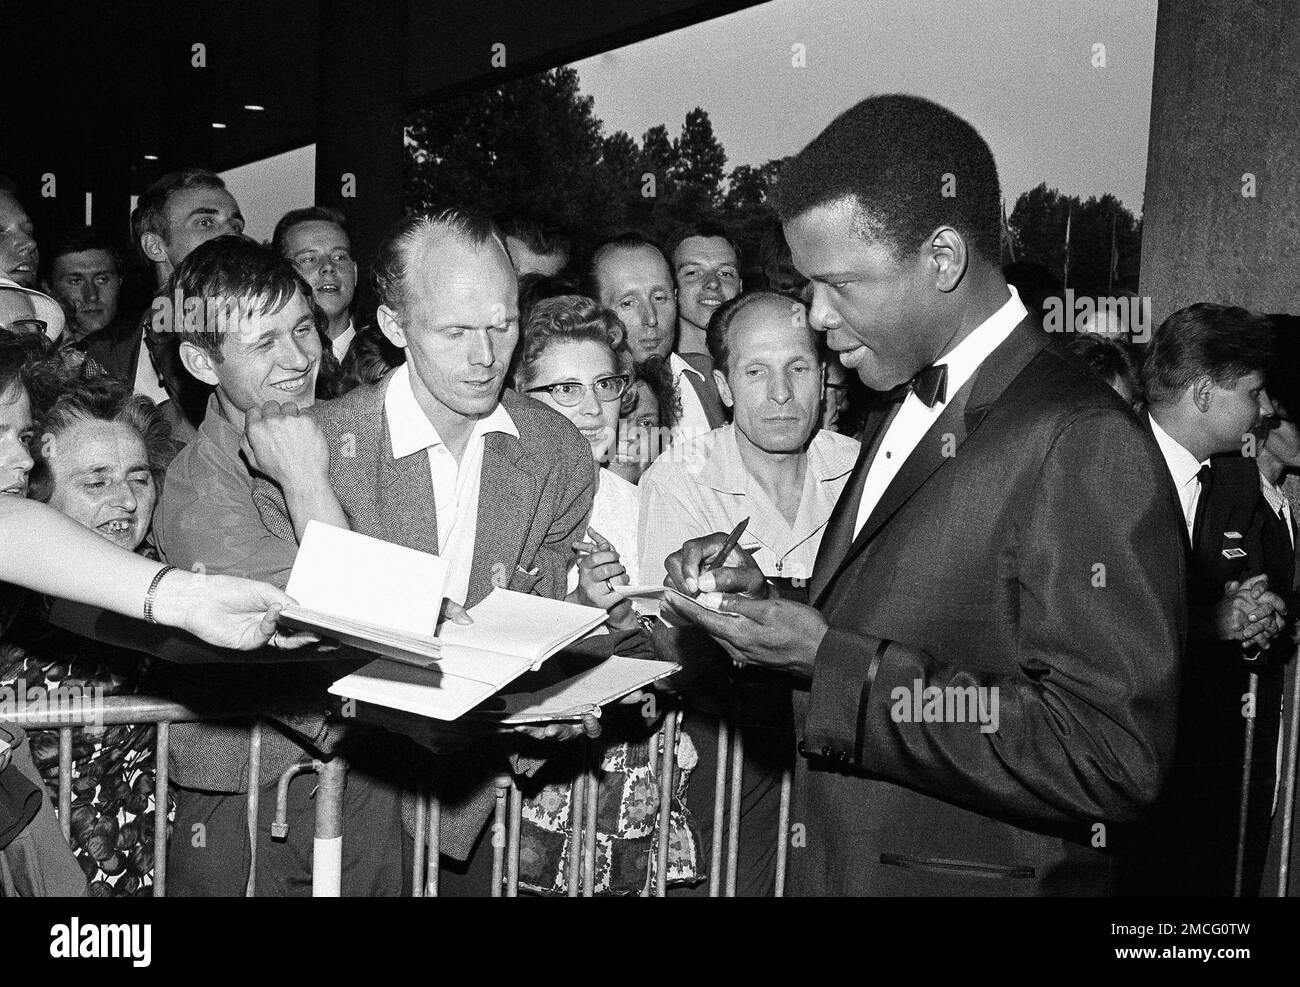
<point x="294" y="385"/>
<point x="709" y="302"/>
<point x="329" y="288"/>
<point x="15" y="490"/>
<point x="116" y="526"/>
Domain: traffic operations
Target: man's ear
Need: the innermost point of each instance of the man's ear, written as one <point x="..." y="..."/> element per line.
<point x="391" y="326"/>
<point x="949" y="257"/>
<point x="153" y="247"/>
<point x="1203" y="393"/>
<point x="198" y="363"/>
<point x="724" y="391"/>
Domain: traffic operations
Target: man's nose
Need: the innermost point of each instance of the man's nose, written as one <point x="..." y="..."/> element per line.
<point x="649" y="317"/>
<point x="327" y="265"/>
<point x="713" y="280"/>
<point x="16" y="453"/>
<point x="123" y="497"/>
<point x="482" y="353"/>
<point x="24" y="242"/>
<point x="1266" y="405"/>
<point x="90" y="292"/>
<point x="778" y="390"/>
<point x="820" y="315"/>
<point x="294" y="355"/>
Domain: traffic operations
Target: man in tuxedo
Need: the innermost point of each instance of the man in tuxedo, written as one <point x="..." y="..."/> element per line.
<point x="1204" y="374"/>
<point x="989" y="661"/>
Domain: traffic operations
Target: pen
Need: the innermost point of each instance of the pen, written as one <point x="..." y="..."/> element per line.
<point x="732" y="541"/>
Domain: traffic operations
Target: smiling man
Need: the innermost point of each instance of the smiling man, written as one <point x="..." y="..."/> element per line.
<point x="706" y="269"/>
<point x="1009" y="530"/>
<point x="316" y="242"/>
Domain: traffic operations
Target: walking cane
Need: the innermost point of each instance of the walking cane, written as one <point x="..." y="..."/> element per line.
<point x="1289" y="780"/>
<point x="1247" y="764"/>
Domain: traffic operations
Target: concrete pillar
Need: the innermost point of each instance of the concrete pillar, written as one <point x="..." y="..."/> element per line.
<point x="1225" y="112"/>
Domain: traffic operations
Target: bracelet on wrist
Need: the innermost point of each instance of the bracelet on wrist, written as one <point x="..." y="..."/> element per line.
<point x="153" y="592"/>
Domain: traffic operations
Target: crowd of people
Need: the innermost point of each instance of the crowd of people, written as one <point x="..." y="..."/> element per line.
<point x="1004" y="603"/>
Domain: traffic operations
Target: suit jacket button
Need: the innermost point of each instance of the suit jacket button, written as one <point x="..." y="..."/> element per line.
<point x="827" y="752"/>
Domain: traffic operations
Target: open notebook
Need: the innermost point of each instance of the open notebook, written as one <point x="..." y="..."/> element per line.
<point x="512" y="633"/>
<point x="368" y="593"/>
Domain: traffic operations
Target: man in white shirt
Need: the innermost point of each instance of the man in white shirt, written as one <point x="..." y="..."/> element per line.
<point x="316" y="241"/>
<point x="173" y="216"/>
<point x="629" y="275"/>
<point x="706" y="268"/>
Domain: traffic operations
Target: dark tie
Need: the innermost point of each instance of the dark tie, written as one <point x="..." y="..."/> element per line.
<point x="931" y="384"/>
<point x="1198" y="519"/>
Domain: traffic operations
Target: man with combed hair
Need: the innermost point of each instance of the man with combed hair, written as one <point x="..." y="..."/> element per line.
<point x="1008" y="527"/>
<point x="316" y="242"/>
<point x="439" y="457"/>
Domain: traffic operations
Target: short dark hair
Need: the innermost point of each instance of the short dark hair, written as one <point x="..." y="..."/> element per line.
<point x="234" y="270"/>
<point x="411" y="233"/>
<point x="702" y="229"/>
<point x="538" y="237"/>
<point x="101" y="399"/>
<point x="1222" y="342"/>
<point x="718" y="331"/>
<point x="778" y="266"/>
<point x="534" y="287"/>
<point x="1112" y="359"/>
<point x="78" y="239"/>
<point x="657" y="375"/>
<point x="309" y="214"/>
<point x="564" y="319"/>
<point x="627" y="240"/>
<point x="898" y="157"/>
<point x="150" y="214"/>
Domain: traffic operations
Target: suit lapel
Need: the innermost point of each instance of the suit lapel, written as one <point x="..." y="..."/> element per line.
<point x="961" y="416"/>
<point x="407" y="512"/>
<point x="506" y="490"/>
<point x="839" y="528"/>
<point x="709" y="400"/>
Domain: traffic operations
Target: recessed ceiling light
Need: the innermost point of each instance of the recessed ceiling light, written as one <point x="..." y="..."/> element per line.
<point x="254" y="107"/>
<point x="218" y="126"/>
<point x="151" y="157"/>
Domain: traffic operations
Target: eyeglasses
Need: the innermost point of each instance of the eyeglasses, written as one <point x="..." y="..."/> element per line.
<point x="36" y="327"/>
<point x="569" y="393"/>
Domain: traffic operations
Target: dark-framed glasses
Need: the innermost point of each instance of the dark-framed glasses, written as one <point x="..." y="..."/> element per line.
<point x="570" y="392"/>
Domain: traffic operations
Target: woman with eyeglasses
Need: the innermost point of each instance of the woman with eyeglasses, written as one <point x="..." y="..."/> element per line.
<point x="567" y="361"/>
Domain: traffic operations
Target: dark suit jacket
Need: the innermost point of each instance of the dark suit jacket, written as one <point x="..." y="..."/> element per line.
<point x="984" y="568"/>
<point x="715" y="412"/>
<point x="534" y="501"/>
<point x="1190" y="845"/>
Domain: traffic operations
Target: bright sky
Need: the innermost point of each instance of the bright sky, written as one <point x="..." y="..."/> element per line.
<point x="1020" y="70"/>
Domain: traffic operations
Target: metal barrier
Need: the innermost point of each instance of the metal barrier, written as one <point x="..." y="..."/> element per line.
<point x="506" y="826"/>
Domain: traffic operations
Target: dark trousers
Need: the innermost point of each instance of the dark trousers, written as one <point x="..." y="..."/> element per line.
<point x="208" y="854"/>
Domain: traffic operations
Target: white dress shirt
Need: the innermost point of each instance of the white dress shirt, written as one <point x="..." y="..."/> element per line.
<point x="914" y="418"/>
<point x="694" y="421"/>
<point x="343" y="341"/>
<point x="147" y="380"/>
<point x="1185" y="469"/>
<point x="455" y="485"/>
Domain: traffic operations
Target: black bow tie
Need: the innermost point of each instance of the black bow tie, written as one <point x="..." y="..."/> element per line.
<point x="931" y="384"/>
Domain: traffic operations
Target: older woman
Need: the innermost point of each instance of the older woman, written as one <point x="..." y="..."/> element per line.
<point x="567" y="360"/>
<point x="97" y="460"/>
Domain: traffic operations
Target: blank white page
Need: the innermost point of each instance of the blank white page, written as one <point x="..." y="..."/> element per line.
<point x="365" y="579"/>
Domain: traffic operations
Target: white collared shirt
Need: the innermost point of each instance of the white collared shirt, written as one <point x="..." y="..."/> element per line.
<point x="694" y="421"/>
<point x="455" y="485"/>
<point x="147" y="379"/>
<point x="1185" y="470"/>
<point x="343" y="341"/>
<point x="914" y="418"/>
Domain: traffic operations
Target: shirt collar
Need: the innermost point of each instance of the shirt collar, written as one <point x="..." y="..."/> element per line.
<point x="965" y="358"/>
<point x="344" y="339"/>
<point x="724" y="471"/>
<point x="1183" y="466"/>
<point x="220" y="432"/>
<point x="409" y="428"/>
<point x="679" y="366"/>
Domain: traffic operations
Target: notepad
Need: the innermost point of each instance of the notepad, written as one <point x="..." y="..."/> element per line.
<point x="579" y="695"/>
<point x="512" y="633"/>
<point x="367" y="593"/>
